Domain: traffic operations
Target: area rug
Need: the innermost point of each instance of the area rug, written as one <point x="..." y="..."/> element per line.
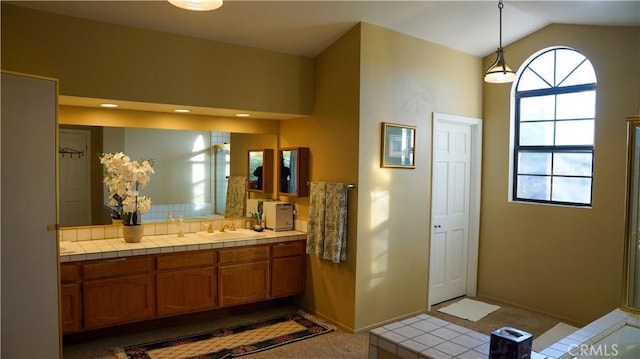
<point x="553" y="335"/>
<point x="469" y="309"/>
<point x="231" y="342"/>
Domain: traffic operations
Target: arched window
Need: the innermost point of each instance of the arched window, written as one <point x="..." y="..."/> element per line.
<point x="555" y="102"/>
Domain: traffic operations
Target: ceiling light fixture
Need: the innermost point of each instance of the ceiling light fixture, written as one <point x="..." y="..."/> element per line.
<point x="500" y="72"/>
<point x="243" y="115"/>
<point x="197" y="5"/>
<point x="108" y="105"/>
<point x="182" y="110"/>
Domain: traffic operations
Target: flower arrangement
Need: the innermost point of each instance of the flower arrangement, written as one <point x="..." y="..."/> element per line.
<point x="125" y="178"/>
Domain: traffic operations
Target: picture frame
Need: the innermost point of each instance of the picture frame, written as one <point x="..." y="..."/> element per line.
<point x="398" y="146"/>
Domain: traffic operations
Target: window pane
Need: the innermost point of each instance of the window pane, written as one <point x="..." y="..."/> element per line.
<point x="575" y="190"/>
<point x="544" y="66"/>
<point x="566" y="61"/>
<point x="574" y="132"/>
<point x="536" y="133"/>
<point x="576" y="105"/>
<point x="583" y="75"/>
<point x="534" y="163"/>
<point x="537" y="108"/>
<point x="572" y="164"/>
<point x="530" y="81"/>
<point x="534" y="187"/>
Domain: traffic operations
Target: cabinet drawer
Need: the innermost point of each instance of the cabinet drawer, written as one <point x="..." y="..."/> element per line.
<point x="243" y="254"/>
<point x="186" y="260"/>
<point x="117" y="267"/>
<point x="69" y="272"/>
<point x="288" y="249"/>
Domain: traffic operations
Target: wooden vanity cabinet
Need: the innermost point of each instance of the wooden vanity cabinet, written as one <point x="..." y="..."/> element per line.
<point x="70" y="300"/>
<point x="108" y="292"/>
<point x="288" y="269"/>
<point x="185" y="282"/>
<point x="243" y="275"/>
<point x="118" y="291"/>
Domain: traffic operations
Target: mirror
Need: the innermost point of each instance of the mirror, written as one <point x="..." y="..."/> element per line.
<point x="293" y="171"/>
<point x="631" y="297"/>
<point x="191" y="170"/>
<point x="261" y="170"/>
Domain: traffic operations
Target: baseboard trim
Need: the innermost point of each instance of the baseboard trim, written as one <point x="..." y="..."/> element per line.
<point x="561" y="318"/>
<point x="352" y="330"/>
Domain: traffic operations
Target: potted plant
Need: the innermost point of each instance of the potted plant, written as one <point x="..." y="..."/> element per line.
<point x="125" y="178"/>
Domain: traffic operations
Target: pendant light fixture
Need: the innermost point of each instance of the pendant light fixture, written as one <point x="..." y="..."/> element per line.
<point x="500" y="72"/>
<point x="197" y="5"/>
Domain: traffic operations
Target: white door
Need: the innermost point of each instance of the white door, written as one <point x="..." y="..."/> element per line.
<point x="75" y="177"/>
<point x="451" y="214"/>
<point x="30" y="297"/>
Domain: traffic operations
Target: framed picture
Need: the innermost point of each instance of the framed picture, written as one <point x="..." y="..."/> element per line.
<point x="398" y="146"/>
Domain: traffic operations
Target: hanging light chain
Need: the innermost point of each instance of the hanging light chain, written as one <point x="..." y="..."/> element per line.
<point x="500" y="6"/>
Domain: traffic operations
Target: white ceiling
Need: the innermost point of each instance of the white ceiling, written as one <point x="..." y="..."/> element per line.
<point x="308" y="27"/>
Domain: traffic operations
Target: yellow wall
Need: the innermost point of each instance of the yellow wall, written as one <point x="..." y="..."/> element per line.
<point x="368" y="76"/>
<point x="125" y="63"/>
<point x="331" y="134"/>
<point x="398" y="84"/>
<point x="560" y="260"/>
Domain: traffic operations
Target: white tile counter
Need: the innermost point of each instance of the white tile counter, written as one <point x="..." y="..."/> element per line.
<point x="98" y="242"/>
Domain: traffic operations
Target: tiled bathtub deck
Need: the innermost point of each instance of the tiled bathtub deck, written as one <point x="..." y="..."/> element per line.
<point x="427" y="337"/>
<point x="424" y="336"/>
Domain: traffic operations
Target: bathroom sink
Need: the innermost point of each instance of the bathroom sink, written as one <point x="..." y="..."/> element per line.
<point x="65" y="250"/>
<point x="237" y="234"/>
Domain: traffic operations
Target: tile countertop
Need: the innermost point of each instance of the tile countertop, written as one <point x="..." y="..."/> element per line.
<point x="71" y="251"/>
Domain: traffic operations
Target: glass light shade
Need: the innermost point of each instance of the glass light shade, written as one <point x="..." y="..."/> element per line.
<point x="499" y="72"/>
<point x="197" y="5"/>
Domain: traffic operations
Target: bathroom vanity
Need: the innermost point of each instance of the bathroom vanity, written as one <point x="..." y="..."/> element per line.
<point x="107" y="282"/>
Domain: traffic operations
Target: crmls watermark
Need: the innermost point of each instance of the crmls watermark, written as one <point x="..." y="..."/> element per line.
<point x="594" y="350"/>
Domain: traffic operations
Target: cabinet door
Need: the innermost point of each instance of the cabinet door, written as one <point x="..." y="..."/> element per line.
<point x="70" y="313"/>
<point x="185" y="291"/>
<point x="287" y="276"/>
<point x="243" y="283"/>
<point x="118" y="300"/>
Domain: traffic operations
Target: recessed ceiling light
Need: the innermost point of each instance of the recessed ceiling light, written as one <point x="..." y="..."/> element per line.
<point x="181" y="110"/>
<point x="243" y="115"/>
<point x="197" y="5"/>
<point x="109" y="105"/>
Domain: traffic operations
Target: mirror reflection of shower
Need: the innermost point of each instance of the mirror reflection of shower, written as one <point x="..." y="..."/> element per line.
<point x="221" y="158"/>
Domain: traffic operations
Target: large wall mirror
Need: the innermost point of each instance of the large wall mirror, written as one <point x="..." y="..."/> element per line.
<point x="260" y="170"/>
<point x="293" y="171"/>
<point x="631" y="297"/>
<point x="191" y="170"/>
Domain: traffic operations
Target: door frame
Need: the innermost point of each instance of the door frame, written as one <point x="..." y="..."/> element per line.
<point x="474" y="195"/>
<point x="87" y="133"/>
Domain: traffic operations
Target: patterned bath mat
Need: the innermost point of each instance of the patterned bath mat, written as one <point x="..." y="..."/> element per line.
<point x="231" y="342"/>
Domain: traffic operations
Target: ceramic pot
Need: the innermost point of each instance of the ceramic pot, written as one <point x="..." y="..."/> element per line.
<point x="132" y="234"/>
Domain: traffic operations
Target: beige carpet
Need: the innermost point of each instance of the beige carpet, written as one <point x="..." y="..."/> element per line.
<point x="508" y="315"/>
<point x="337" y="344"/>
